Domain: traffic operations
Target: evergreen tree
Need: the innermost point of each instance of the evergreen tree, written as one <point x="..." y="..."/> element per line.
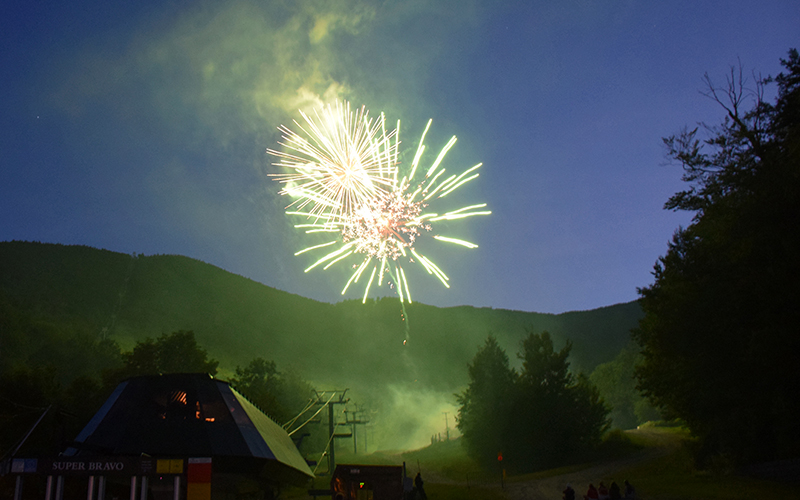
<point x="561" y="415"/>
<point x="542" y="417"/>
<point x="485" y="406"/>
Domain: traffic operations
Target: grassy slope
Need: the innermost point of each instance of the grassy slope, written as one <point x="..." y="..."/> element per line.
<point x="672" y="476"/>
<point x="665" y="473"/>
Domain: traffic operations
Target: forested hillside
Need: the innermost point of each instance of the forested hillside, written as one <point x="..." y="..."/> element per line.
<point x="127" y="298"/>
<point x="68" y="310"/>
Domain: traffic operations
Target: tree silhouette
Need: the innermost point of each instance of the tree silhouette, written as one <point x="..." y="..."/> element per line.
<point x="543" y="416"/>
<point x="177" y="352"/>
<point x="561" y="415"/>
<point x="719" y="335"/>
<point x="485" y="406"/>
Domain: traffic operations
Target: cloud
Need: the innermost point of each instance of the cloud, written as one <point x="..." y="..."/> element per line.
<point x="221" y="70"/>
<point x="228" y="68"/>
<point x="349" y="16"/>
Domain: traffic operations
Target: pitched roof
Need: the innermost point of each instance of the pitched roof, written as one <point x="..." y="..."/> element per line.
<point x="188" y="415"/>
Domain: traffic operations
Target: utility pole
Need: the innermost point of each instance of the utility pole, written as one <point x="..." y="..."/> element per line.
<point x="367" y="428"/>
<point x="446" y="425"/>
<point x="355" y="422"/>
<point x="330" y="399"/>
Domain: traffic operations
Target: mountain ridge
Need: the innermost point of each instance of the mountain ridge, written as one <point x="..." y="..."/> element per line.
<point x="131" y="297"/>
<point x="404" y="362"/>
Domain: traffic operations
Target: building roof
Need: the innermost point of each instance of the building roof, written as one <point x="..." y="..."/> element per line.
<point x="189" y="415"/>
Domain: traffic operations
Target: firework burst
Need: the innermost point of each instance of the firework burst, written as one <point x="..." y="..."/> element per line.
<point x="347" y="184"/>
<point x="342" y="160"/>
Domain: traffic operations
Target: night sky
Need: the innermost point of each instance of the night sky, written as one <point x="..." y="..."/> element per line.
<point x="142" y="127"/>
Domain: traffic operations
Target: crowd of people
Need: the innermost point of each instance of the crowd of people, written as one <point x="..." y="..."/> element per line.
<point x="603" y="492"/>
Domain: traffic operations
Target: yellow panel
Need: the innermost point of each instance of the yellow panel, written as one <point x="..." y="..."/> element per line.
<point x="162" y="466"/>
<point x="198" y="491"/>
<point x="176" y="466"/>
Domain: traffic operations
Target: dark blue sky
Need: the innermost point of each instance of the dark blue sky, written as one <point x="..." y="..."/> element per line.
<point x="141" y="127"/>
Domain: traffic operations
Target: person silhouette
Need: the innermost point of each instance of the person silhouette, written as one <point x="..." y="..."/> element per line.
<point x="420" y="490"/>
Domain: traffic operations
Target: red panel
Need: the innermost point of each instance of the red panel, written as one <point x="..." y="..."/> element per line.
<point x="199" y="473"/>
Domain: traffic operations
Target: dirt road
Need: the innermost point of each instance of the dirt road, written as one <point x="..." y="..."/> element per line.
<point x="551" y="488"/>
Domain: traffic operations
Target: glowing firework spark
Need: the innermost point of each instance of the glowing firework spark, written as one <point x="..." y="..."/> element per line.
<point x="345" y="160"/>
<point x="351" y="179"/>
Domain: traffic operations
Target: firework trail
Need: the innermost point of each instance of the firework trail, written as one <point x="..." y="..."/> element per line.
<point x="346" y="181"/>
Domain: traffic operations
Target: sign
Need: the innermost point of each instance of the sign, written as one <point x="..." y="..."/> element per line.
<point x="147" y="467"/>
<point x="198" y="485"/>
<point x="88" y="467"/>
<point x="98" y="466"/>
<point x="169" y="466"/>
<point x="23" y="465"/>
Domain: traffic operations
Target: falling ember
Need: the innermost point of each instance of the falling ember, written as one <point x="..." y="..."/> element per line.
<point x="385" y="226"/>
<point x="346" y="182"/>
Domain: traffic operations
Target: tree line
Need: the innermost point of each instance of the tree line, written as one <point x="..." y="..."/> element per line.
<point x="63" y="375"/>
<point x="540" y="416"/>
<point x="719" y="337"/>
<point x="717" y="346"/>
